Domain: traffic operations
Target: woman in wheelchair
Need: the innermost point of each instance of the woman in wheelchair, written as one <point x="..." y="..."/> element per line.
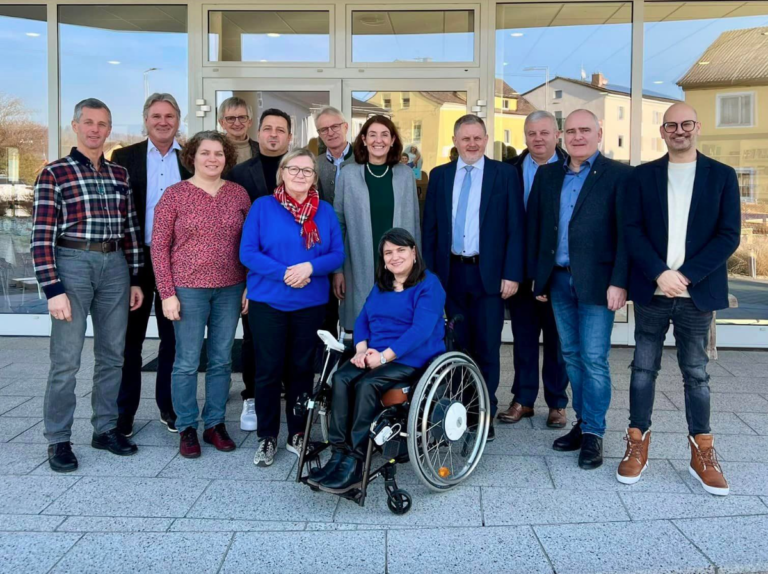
<point x="399" y="330"/>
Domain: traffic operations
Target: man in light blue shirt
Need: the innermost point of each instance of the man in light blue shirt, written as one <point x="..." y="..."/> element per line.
<point x="569" y="195"/>
<point x="471" y="226"/>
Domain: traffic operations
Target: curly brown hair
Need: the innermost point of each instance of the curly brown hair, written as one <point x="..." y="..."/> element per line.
<point x="189" y="151"/>
<point x="361" y="152"/>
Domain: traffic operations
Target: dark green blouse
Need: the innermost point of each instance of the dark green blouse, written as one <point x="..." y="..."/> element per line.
<point x="382" y="198"/>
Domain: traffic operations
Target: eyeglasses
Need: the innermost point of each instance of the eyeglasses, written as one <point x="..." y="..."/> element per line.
<point x="333" y="128"/>
<point x="293" y="171"/>
<point x="687" y="125"/>
<point x="232" y="119"/>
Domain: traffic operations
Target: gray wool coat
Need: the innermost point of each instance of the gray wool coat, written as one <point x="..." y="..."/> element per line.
<point x="353" y="209"/>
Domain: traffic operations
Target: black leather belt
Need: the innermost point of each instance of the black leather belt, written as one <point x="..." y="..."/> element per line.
<point x="101" y="247"/>
<point x="474" y="260"/>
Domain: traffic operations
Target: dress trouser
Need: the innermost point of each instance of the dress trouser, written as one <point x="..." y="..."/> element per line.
<point x="356" y="401"/>
<point x="480" y="331"/>
<point x="529" y="318"/>
<point x="130" y="387"/>
<point x="98" y="283"/>
<point x="248" y="360"/>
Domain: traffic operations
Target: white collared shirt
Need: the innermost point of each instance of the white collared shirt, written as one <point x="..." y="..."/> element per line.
<point x="162" y="172"/>
<point x="472" y="225"/>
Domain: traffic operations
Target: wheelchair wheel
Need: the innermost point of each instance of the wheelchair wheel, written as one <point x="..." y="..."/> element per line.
<point x="448" y="421"/>
<point x="399" y="502"/>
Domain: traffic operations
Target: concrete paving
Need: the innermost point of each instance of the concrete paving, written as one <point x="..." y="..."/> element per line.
<point x="526" y="509"/>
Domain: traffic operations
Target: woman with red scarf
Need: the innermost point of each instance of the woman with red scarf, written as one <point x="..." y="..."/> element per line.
<point x="291" y="242"/>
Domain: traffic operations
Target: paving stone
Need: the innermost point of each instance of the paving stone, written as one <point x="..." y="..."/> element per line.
<point x="461" y="504"/>
<point x="37" y="370"/>
<point x="114" y="524"/>
<point x="756" y="421"/>
<point x="34" y="407"/>
<point x="744" y="478"/>
<point x="737" y="544"/>
<point x="742" y="368"/>
<point x="20" y="459"/>
<point x="28" y="523"/>
<point x="252" y="500"/>
<point x="236" y="465"/>
<point x="10" y="403"/>
<point x="146" y="497"/>
<point x="32" y="494"/>
<point x="82" y="433"/>
<point x="158" y="553"/>
<point x="36" y="388"/>
<point x="740" y="448"/>
<point x="215" y="525"/>
<point x="149" y="461"/>
<point x="33" y="552"/>
<point x="622" y="547"/>
<point x="756" y="385"/>
<point x="510" y="506"/>
<point x="728" y="402"/>
<point x="466" y="550"/>
<point x="330" y="526"/>
<point x="660" y="476"/>
<point x="319" y="552"/>
<point x="659" y="506"/>
<point x="526" y="442"/>
<point x="154" y="433"/>
<point x="11" y="427"/>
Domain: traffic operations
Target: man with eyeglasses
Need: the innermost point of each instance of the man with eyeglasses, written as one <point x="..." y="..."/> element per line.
<point x="87" y="254"/>
<point x="683" y="223"/>
<point x="236" y="119"/>
<point x="332" y="129"/>
<point x="258" y="175"/>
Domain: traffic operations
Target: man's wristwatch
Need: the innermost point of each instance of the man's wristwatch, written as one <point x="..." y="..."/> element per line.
<point x="383" y="359"/>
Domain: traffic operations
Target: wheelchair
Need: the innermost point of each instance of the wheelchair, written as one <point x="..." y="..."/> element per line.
<point x="439" y="424"/>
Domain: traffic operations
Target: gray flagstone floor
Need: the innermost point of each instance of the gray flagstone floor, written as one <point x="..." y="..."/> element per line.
<point x="527" y="509"/>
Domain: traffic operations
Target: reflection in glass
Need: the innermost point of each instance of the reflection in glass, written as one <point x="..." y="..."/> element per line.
<point x="714" y="56"/>
<point x="413" y="36"/>
<point x="120" y="55"/>
<point x="23" y="149"/>
<point x="268" y="36"/>
<point x="301" y="106"/>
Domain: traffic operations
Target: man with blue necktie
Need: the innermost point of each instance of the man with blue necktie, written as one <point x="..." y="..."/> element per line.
<point x="473" y="239"/>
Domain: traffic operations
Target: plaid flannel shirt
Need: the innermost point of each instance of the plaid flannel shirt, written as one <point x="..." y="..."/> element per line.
<point x="74" y="201"/>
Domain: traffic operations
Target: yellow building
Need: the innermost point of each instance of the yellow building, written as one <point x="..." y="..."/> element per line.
<point x="511" y="110"/>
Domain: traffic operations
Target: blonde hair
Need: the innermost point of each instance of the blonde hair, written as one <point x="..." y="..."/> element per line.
<point x="301" y="152"/>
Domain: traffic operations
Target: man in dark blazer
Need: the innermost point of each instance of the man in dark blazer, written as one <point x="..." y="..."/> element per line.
<point x="531" y="317"/>
<point x="473" y="239"/>
<point x="683" y="222"/>
<point x="577" y="259"/>
<point x="152" y="166"/>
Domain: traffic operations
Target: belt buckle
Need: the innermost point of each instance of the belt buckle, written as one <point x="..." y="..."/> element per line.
<point x="105" y="246"/>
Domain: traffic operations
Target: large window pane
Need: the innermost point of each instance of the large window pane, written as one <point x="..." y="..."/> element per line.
<point x="121" y="54"/>
<point x="268" y="36"/>
<point x="23" y="149"/>
<point x="409" y="36"/>
<point x="714" y="55"/>
<point x="560" y="57"/>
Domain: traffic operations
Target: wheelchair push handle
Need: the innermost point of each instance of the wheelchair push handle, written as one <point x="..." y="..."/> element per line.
<point x="330" y="341"/>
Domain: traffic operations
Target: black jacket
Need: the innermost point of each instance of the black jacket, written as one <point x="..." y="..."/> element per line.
<point x="596" y="245"/>
<point x="502" y="224"/>
<point x="714" y="229"/>
<point x="250" y="175"/>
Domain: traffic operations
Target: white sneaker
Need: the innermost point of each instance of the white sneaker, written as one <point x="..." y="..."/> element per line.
<point x="248" y="417"/>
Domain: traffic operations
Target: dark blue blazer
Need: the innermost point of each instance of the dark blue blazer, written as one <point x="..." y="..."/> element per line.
<point x="502" y="224"/>
<point x="714" y="229"/>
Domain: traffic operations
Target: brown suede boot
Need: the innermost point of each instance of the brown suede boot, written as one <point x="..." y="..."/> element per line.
<point x="704" y="466"/>
<point x="635" y="459"/>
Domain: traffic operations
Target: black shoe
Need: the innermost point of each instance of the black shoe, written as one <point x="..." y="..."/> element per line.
<point x="125" y="425"/>
<point x="114" y="442"/>
<point x="591" y="455"/>
<point x="318" y="474"/>
<point x="346" y="476"/>
<point x="571" y="441"/>
<point x="61" y="458"/>
<point x="491" y="434"/>
<point x="169" y="420"/>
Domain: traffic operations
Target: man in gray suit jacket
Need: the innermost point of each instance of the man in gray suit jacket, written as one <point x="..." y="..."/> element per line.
<point x="332" y="129"/>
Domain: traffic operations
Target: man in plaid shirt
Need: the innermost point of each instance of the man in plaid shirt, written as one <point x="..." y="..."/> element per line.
<point x="87" y="255"/>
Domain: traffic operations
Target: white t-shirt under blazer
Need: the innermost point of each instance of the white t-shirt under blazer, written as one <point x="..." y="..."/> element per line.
<point x="680" y="178"/>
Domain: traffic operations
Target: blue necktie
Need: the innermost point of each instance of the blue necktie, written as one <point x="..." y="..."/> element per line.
<point x="461" y="212"/>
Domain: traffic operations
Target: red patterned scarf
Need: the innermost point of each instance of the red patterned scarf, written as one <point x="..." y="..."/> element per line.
<point x="303" y="213"/>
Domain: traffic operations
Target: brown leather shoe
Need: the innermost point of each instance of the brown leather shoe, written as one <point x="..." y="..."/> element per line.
<point x="219" y="437"/>
<point x="704" y="466"/>
<point x="556" y="419"/>
<point x="514" y="413"/>
<point x="635" y="459"/>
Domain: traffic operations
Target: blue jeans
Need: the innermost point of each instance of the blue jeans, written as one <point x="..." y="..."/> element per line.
<point x="99" y="284"/>
<point x="219" y="310"/>
<point x="691" y="336"/>
<point x="585" y="340"/>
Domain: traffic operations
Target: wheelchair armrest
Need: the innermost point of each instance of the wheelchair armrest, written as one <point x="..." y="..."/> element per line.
<point x="330" y="341"/>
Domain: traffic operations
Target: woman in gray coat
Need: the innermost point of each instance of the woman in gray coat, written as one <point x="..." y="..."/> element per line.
<point x="374" y="194"/>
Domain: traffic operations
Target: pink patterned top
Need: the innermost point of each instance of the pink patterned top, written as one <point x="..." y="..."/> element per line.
<point x="196" y="237"/>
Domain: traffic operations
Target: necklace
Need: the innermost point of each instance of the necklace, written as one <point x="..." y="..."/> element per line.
<point x="368" y="166"/>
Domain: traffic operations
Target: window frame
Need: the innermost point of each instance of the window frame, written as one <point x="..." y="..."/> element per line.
<point x="752" y="173"/>
<point x="753" y="105"/>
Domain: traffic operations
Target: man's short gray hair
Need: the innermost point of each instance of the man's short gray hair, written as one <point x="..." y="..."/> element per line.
<point x="91" y="104"/>
<point x="539" y="115"/>
<point x="235" y="102"/>
<point x="329" y="111"/>
<point x="592" y="114"/>
<point x="466" y="120"/>
<point x="161" y="97"/>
